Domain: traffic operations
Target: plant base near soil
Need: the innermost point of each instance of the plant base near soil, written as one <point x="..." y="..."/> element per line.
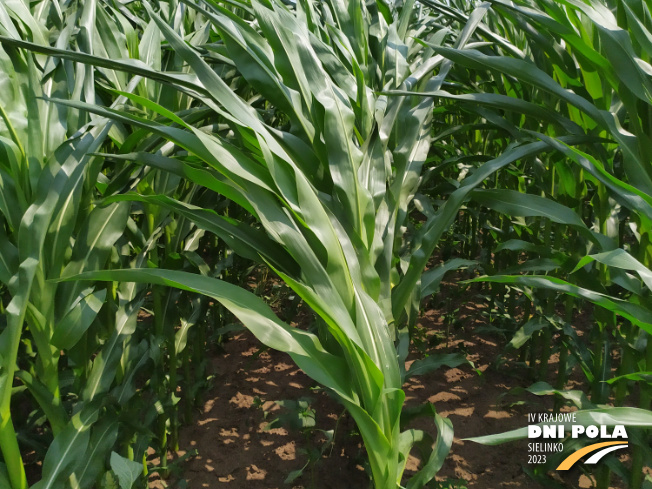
<point x="235" y="449"/>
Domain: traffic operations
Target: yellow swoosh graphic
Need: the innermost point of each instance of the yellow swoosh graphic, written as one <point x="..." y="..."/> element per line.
<point x="574" y="457"/>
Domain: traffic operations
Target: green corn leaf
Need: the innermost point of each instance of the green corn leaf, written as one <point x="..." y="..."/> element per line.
<point x="126" y="470"/>
<point x="103" y="437"/>
<point x="617" y="47"/>
<point x="74" y="324"/>
<point x="521" y="245"/>
<point x="526" y="331"/>
<point x="435" y="361"/>
<point x="69" y="449"/>
<point x="138" y="358"/>
<point x="645" y="377"/>
<point x="105" y="364"/>
<point x="8" y="260"/>
<point x="577" y="397"/>
<point x="431" y="279"/>
<point x="619" y="258"/>
<point x="245" y="240"/>
<point x="11" y="204"/>
<point x="9" y="344"/>
<point x="438" y="454"/>
<point x="637" y="314"/>
<point x="515" y="203"/>
<point x="201" y="176"/>
<point x="503" y="102"/>
<point x="629" y="195"/>
<point x="51" y="406"/>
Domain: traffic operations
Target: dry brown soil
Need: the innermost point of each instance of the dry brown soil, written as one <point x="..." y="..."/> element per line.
<point x="236" y="451"/>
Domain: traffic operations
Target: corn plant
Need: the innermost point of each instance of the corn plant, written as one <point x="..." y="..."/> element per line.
<point x="48" y="225"/>
<point x="70" y="345"/>
<point x="589" y="63"/>
<point x="331" y="188"/>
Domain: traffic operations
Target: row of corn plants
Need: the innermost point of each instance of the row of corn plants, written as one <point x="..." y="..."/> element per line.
<point x="74" y="362"/>
<point x="152" y="151"/>
<point x="577" y="220"/>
